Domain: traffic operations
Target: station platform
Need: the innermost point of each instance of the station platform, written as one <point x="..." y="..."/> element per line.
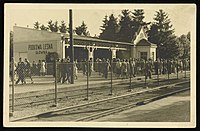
<point x="42" y="83"/>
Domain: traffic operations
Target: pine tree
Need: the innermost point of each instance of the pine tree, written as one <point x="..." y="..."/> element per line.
<point x="138" y="15"/>
<point x="56" y="28"/>
<point x="85" y="31"/>
<point x="138" y="20"/>
<point x="162" y="34"/>
<point x="42" y="27"/>
<point x="103" y="28"/>
<point x="78" y="30"/>
<point x="125" y="24"/>
<point x="188" y="36"/>
<point x="187" y="51"/>
<point x="51" y="25"/>
<point x="82" y="30"/>
<point x="105" y="23"/>
<point x="36" y="25"/>
<point x="109" y="28"/>
<point x="63" y="27"/>
<point x="184" y="46"/>
<point x="153" y="34"/>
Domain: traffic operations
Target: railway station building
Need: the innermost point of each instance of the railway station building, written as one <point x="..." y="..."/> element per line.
<point x="35" y="44"/>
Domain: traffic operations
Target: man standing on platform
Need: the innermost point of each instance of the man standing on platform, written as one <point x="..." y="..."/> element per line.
<point x="28" y="70"/>
<point x="20" y="71"/>
<point x="148" y="69"/>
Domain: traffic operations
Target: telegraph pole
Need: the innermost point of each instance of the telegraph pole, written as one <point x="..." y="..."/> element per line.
<point x="71" y="45"/>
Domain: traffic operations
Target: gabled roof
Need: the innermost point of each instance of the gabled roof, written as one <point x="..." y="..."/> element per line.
<point x="144" y="42"/>
<point x="137" y="32"/>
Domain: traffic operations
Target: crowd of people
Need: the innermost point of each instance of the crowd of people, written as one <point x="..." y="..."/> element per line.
<point x="64" y="70"/>
<point x="126" y="68"/>
<point x="24" y="69"/>
<point x="121" y="68"/>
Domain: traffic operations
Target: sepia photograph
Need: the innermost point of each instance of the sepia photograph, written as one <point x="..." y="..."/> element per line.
<point x="99" y="65"/>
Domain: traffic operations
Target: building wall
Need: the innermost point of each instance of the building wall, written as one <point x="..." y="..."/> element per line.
<point x="123" y="54"/>
<point x="35" y="44"/>
<point x="147" y="49"/>
<point x="153" y="49"/>
<point x="22" y="34"/>
<point x="36" y="50"/>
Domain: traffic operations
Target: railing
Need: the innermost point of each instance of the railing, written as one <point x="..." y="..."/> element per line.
<point x="51" y="82"/>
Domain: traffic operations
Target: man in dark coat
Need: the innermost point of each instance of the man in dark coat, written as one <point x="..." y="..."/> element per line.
<point x="28" y="70"/>
<point x="156" y="67"/>
<point x="20" y="72"/>
<point x="148" y="69"/>
<point x="62" y="70"/>
<point x="106" y="68"/>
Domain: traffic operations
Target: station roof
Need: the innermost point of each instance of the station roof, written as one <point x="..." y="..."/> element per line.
<point x="94" y="39"/>
<point x="144" y="42"/>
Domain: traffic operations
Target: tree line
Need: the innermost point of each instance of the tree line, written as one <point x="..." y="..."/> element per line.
<point x="124" y="27"/>
<point x="159" y="32"/>
<point x="62" y="28"/>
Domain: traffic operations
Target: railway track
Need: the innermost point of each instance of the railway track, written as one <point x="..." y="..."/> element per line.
<point x="101" y="108"/>
<point x="66" y="94"/>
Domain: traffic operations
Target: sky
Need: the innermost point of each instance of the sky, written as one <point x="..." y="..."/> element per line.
<point x="181" y="15"/>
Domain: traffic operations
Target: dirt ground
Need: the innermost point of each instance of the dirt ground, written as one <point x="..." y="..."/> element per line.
<point x="171" y="109"/>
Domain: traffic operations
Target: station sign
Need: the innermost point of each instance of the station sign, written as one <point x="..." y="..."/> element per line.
<point x="38" y="50"/>
<point x="41" y="48"/>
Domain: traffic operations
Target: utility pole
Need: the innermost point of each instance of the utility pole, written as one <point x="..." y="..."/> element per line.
<point x="71" y="45"/>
